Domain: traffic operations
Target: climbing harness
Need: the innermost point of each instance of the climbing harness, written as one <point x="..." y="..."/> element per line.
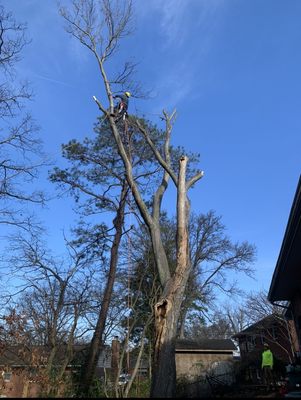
<point x="122" y="116"/>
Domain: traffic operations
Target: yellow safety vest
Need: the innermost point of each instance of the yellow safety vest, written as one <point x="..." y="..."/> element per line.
<point x="267" y="359"/>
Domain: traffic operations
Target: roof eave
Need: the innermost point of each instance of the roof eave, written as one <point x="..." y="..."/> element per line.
<point x="292" y="229"/>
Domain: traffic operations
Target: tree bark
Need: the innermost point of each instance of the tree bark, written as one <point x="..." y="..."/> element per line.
<point x="167" y="310"/>
<point x="95" y="345"/>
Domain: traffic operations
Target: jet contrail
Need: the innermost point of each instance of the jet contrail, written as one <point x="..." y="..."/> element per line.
<point x="53" y="80"/>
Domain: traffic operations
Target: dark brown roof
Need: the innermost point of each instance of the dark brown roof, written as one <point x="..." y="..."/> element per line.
<point x="205" y="344"/>
<point x="21" y="356"/>
<point x="12" y="356"/>
<point x="264" y="323"/>
<point x="286" y="280"/>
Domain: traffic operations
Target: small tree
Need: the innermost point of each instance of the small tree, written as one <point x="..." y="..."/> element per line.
<point x="56" y="295"/>
<point x="214" y="259"/>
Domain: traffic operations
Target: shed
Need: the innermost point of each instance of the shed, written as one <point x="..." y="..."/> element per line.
<point x="195" y="358"/>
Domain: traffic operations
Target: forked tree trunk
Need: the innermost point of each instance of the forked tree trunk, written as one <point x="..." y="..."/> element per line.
<point x="167" y="310"/>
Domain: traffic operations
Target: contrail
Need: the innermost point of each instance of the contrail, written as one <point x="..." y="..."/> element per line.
<point x="53" y="80"/>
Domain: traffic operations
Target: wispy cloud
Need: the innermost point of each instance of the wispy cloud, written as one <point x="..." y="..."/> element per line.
<point x="188" y="30"/>
<point x="172" y="14"/>
<point x="172" y="89"/>
<point x="177" y="18"/>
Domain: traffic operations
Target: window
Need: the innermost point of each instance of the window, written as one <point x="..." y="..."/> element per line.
<point x="274" y="333"/>
<point x="262" y="337"/>
<point x="33" y="372"/>
<point x="6" y="376"/>
<point x="243" y="346"/>
<point x="251" y="343"/>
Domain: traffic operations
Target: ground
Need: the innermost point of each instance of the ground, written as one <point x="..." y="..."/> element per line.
<point x="251" y="391"/>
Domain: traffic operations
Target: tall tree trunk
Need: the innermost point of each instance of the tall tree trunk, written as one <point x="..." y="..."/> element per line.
<point x="96" y="343"/>
<point x="25" y="387"/>
<point x="167" y="310"/>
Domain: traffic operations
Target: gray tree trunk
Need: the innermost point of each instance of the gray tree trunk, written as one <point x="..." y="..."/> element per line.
<point x="167" y="310"/>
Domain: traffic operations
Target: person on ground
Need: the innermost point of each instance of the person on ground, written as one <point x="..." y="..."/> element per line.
<point x="267" y="364"/>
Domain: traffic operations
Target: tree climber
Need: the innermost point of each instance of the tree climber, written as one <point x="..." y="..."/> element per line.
<point x="123" y="104"/>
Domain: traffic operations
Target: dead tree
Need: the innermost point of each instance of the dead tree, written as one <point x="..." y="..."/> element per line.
<point x="84" y="24"/>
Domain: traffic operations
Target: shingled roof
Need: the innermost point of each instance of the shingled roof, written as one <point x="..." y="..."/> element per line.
<point x="11" y="356"/>
<point x="205" y="345"/>
<point x="21" y="356"/>
<point x="258" y="326"/>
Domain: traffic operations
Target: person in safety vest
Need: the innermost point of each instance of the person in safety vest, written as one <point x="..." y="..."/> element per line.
<point x="267" y="365"/>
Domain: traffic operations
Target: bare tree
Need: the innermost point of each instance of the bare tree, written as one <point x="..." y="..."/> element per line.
<point x="55" y="296"/>
<point x="259" y="307"/>
<point x="143" y="291"/>
<point x="12" y="42"/>
<point x="261" y="311"/>
<point x="254" y="308"/>
<point x="225" y="321"/>
<point x="20" y="149"/>
<point x="214" y="257"/>
<point x="173" y="283"/>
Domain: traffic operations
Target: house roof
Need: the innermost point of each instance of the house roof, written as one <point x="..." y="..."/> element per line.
<point x="205" y="344"/>
<point x="21" y="356"/>
<point x="286" y="279"/>
<point x="11" y="356"/>
<point x="263" y="323"/>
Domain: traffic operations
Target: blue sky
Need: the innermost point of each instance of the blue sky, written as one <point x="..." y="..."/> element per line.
<point x="231" y="68"/>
